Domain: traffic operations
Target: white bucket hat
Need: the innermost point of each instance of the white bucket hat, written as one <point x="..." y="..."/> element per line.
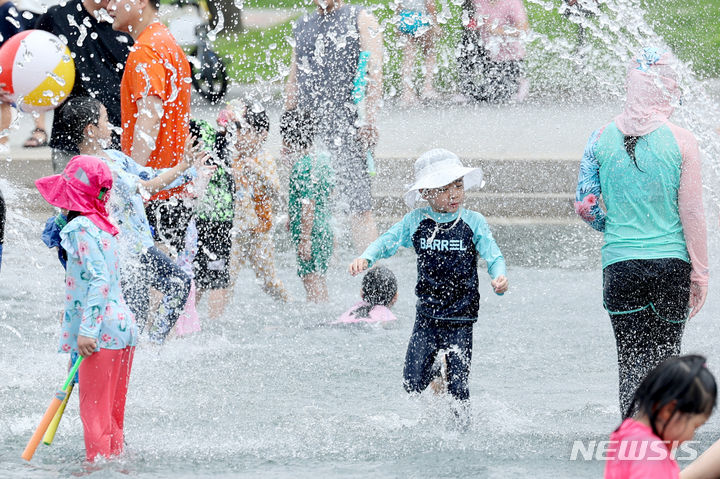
<point x="440" y="167"/>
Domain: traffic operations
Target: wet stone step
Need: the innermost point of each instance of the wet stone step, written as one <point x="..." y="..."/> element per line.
<point x="493" y="204"/>
<point x="500" y="175"/>
<point x="515" y="188"/>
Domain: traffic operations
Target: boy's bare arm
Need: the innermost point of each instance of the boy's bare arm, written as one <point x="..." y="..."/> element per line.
<point x="194" y="156"/>
<point x="307" y="220"/>
<point x="291" y="99"/>
<point x="147" y="128"/>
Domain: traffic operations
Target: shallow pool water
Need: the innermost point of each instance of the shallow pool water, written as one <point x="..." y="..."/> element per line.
<point x="269" y="390"/>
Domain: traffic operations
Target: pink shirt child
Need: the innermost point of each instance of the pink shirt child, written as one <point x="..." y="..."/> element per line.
<point x="635" y="452"/>
<point x="378" y="314"/>
<point x="492" y="14"/>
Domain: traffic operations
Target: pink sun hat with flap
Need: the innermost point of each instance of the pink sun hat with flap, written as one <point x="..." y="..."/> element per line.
<point x="83" y="186"/>
<point x="437" y="168"/>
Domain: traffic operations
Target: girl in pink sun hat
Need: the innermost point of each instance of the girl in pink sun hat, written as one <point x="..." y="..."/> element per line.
<point x="97" y="324"/>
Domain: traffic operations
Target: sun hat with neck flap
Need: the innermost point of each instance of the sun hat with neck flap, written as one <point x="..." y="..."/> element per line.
<point x="437" y="168"/>
<point x="652" y="92"/>
<point x="83" y="186"/>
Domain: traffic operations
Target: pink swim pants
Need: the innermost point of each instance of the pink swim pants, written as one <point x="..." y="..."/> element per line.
<point x="104" y="380"/>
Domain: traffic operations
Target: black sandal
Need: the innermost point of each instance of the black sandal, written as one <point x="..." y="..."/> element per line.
<point x="38" y="138"/>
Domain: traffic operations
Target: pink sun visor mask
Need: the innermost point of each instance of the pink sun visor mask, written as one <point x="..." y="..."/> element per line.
<point x="83" y="186"/>
<point x="652" y="93"/>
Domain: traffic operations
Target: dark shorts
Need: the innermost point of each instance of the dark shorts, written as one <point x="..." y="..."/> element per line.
<point x="429" y="337"/>
<point x="352" y="180"/>
<point x="169" y="220"/>
<point x="212" y="261"/>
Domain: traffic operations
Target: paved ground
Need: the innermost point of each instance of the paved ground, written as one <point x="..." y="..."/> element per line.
<point x="528" y="131"/>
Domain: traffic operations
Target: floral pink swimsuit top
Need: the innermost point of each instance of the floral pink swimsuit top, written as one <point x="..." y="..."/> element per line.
<point x="94" y="304"/>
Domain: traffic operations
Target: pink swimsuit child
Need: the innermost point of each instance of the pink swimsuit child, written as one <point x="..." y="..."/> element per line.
<point x="378" y="314"/>
<point x="636" y="452"/>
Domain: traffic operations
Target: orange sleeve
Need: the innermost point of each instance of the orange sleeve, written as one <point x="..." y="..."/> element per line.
<point x="145" y="74"/>
<point x="263" y="210"/>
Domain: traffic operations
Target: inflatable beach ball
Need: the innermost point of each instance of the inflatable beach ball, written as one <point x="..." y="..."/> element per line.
<point x="37" y="70"/>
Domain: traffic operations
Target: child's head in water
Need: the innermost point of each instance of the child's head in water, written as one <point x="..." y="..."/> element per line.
<point x="676" y="398"/>
<point x="379" y="288"/>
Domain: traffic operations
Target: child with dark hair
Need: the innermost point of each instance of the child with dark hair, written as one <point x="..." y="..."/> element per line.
<point x="257" y="186"/>
<point x="311" y="183"/>
<point x="379" y="294"/>
<point x="142" y="264"/>
<point x="214" y="220"/>
<point x="672" y="402"/>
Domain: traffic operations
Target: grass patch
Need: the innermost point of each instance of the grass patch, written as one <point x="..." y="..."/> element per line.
<point x="257" y="55"/>
<point x="690" y="29"/>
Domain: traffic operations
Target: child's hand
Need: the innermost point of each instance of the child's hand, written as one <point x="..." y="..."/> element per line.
<point x="358" y="266"/>
<point x="698" y="294"/>
<point x="188" y="152"/>
<point x="304" y="249"/>
<point x="5" y="96"/>
<point x="195" y="155"/>
<point x="499" y="284"/>
<point x="86" y="346"/>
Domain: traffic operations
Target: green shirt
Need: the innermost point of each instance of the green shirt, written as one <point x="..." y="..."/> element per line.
<point x="311" y="179"/>
<point x="217" y="203"/>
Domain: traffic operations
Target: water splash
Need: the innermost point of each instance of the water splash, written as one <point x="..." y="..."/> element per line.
<point x="81" y="28"/>
<point x="60" y="80"/>
<point x="142" y="69"/>
<point x="212" y="34"/>
<point x="174" y="89"/>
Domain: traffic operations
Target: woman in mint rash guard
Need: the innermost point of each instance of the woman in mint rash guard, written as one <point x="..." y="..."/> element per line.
<point x="654" y="259"/>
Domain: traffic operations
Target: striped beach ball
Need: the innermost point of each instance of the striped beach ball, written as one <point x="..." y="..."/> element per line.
<point x="37" y="70"/>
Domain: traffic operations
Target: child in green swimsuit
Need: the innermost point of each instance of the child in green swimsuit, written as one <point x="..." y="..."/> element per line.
<point x="311" y="183"/>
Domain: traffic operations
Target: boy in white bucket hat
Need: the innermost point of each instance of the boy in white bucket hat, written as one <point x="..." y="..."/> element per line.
<point x="448" y="240"/>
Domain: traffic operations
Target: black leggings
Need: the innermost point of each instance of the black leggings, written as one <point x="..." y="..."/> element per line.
<point x="648" y="305"/>
<point x="430" y="336"/>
